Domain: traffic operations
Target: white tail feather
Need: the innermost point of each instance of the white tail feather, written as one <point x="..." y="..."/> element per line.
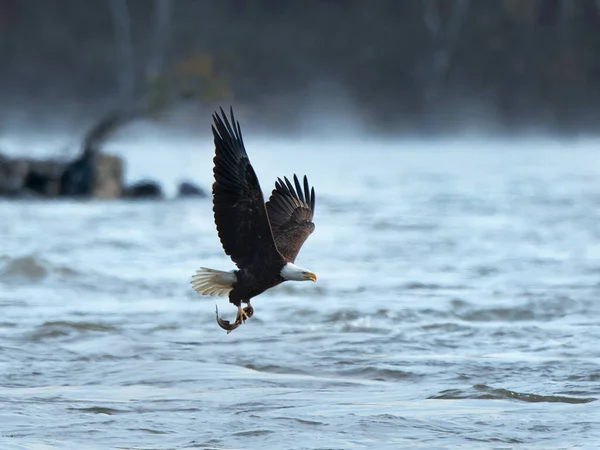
<point x="213" y="282"/>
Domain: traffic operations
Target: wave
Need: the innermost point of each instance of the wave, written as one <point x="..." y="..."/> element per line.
<point x="333" y="371"/>
<point x="379" y="374"/>
<point x="483" y="392"/>
<point x="543" y="309"/>
<point x="274" y="368"/>
<point x="31" y="268"/>
<point x="57" y="329"/>
<point x="25" y="267"/>
<point x="99" y="410"/>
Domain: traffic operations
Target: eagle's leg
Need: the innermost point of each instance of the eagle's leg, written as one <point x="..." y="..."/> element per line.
<point x="244" y="314"/>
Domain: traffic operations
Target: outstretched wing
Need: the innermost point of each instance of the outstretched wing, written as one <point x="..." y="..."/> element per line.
<point x="290" y="213"/>
<point x="238" y="202"/>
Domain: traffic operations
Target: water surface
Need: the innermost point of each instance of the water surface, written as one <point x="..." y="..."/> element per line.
<point x="457" y="306"/>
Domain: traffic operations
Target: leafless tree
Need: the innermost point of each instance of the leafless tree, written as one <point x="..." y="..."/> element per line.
<point x="162" y="27"/>
<point x="124" y="45"/>
<point x="444" y="28"/>
<point x="133" y="89"/>
<point x="132" y="100"/>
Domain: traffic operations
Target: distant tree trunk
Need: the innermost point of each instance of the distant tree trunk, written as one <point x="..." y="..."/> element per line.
<point x="566" y="16"/>
<point x="549" y="12"/>
<point x="519" y="89"/>
<point x="137" y="78"/>
<point x="161" y="34"/>
<point x="125" y="54"/>
<point x="444" y="20"/>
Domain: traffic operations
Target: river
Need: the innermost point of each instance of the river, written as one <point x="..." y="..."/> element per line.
<point x="457" y="306"/>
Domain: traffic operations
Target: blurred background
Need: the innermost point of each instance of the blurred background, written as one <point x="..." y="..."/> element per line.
<point x="453" y="149"/>
<point x="434" y="66"/>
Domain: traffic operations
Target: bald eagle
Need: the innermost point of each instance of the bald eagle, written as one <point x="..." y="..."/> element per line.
<point x="263" y="240"/>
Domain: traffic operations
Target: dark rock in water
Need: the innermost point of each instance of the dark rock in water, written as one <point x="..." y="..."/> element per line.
<point x="108" y="176"/>
<point x="97" y="176"/>
<point x="43" y="178"/>
<point x="76" y="180"/>
<point x="143" y="189"/>
<point x="189" y="189"/>
<point x="24" y="178"/>
<point x="12" y="175"/>
<point x="26" y="267"/>
<point x="94" y="175"/>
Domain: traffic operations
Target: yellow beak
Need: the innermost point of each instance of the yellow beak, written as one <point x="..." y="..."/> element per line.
<point x="310" y="276"/>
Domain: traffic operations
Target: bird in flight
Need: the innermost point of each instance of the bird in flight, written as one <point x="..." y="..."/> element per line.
<point x="263" y="240"/>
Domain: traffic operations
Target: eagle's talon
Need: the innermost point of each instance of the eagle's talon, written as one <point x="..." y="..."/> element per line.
<point x="241" y="315"/>
<point x="244" y="313"/>
<point x="249" y="311"/>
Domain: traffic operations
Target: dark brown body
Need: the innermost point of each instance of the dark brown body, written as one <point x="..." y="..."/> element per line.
<point x="249" y="283"/>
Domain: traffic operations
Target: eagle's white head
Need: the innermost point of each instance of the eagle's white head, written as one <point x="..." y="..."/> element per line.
<point x="292" y="272"/>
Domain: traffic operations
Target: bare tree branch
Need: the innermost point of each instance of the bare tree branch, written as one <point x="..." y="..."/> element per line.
<point x="106" y="125"/>
<point x="124" y="43"/>
<point x="161" y="34"/>
<point x="445" y="36"/>
<point x="457" y="20"/>
<point x="567" y="9"/>
<point x="432" y="17"/>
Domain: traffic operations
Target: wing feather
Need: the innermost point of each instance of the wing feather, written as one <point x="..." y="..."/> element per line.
<point x="299" y="189"/>
<point x="290" y="209"/>
<point x="238" y="202"/>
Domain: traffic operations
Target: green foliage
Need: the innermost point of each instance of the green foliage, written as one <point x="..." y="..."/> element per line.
<point x="158" y="93"/>
<point x="191" y="79"/>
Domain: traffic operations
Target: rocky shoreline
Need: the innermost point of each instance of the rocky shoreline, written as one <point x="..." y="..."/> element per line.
<point x="93" y="174"/>
<point x="101" y="177"/>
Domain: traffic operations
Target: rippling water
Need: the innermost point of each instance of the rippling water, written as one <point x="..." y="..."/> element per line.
<point x="457" y="306"/>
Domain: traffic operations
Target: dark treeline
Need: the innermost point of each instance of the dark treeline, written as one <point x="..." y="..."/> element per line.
<point x="404" y="65"/>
